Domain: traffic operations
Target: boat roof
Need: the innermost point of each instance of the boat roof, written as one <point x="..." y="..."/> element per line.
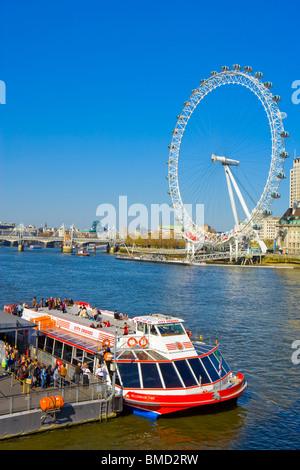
<point x="157" y="319"/>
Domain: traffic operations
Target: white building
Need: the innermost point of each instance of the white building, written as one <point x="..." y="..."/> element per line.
<point x="295" y="184"/>
<point x="269" y="228"/>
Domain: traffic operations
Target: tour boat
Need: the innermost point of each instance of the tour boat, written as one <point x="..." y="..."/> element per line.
<point x="157" y="367"/>
<point x="162" y="371"/>
<point x="35" y="247"/>
<point x="82" y="253"/>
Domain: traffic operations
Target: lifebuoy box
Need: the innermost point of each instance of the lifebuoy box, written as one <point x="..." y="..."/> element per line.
<point x="52" y="403"/>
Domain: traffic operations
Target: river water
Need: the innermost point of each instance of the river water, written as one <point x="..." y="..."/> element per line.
<point x="253" y="312"/>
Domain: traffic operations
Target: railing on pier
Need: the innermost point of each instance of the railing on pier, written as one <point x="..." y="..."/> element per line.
<point x="18" y="396"/>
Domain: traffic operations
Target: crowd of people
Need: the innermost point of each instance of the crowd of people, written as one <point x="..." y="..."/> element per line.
<point x="54" y="303"/>
<point x="33" y="372"/>
<point x="37" y="374"/>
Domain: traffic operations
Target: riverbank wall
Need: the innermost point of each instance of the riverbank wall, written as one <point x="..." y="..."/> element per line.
<point x="34" y="421"/>
<point x="21" y="412"/>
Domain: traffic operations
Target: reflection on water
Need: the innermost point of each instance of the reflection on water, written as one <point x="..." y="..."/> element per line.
<point x="253" y="312"/>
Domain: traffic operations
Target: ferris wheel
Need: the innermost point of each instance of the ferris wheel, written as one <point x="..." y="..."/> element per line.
<point x="248" y="221"/>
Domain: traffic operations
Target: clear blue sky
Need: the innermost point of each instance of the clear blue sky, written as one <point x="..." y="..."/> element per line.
<point x="93" y="90"/>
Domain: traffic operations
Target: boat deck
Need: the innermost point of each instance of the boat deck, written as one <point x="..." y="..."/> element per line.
<point x="72" y="314"/>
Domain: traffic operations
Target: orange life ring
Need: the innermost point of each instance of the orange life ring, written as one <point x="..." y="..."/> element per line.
<point x="132" y="342"/>
<point x="143" y="342"/>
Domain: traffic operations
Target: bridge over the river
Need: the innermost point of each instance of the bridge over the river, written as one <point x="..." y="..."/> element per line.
<point x="71" y="237"/>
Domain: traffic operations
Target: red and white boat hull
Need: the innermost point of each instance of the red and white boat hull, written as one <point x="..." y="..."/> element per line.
<point x="161" y="404"/>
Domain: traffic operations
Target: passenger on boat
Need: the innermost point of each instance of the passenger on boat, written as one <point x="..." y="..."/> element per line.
<point x="117" y="315"/>
<point x="34" y="304"/>
<point x="19" y="310"/>
<point x="92" y="325"/>
<point x="95" y="313"/>
<point x="83" y="312"/>
<point x="125" y="329"/>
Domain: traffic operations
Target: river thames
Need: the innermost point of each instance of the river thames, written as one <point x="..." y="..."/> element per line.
<point x="253" y="312"/>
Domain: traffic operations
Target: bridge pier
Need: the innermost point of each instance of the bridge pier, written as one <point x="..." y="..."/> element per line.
<point x="21" y="247"/>
<point x="66" y="249"/>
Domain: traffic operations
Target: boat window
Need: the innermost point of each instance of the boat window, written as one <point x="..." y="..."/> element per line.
<point x="67" y="354"/>
<point x="185" y="373"/>
<point x="141" y="327"/>
<point x="127" y="355"/>
<point x="202" y="348"/>
<point x="151" y="378"/>
<point x="171" y="329"/>
<point x="58" y="346"/>
<point x="129" y="374"/>
<point x="78" y="356"/>
<point x="170" y="376"/>
<point x="41" y="341"/>
<point x="153" y="330"/>
<point x="89" y="359"/>
<point x="215" y="359"/>
<point x="225" y="366"/>
<point x="210" y="368"/>
<point x="156" y="356"/>
<point x="143" y="356"/>
<point x="199" y="370"/>
<point x="49" y="345"/>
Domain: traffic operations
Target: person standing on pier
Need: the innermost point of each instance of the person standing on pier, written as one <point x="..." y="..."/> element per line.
<point x="86" y="373"/>
<point x="43" y="376"/>
<point x="63" y="374"/>
<point x="77" y="373"/>
<point x="56" y="377"/>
